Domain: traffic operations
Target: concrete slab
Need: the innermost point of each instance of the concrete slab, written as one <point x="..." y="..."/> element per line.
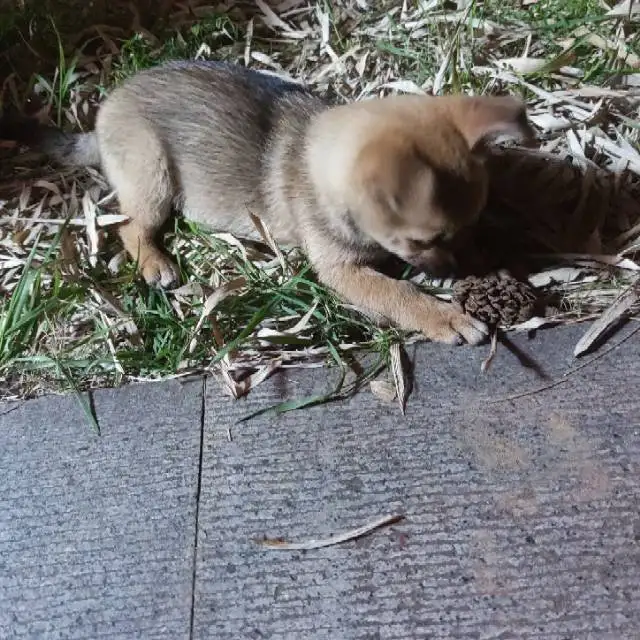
<point x="97" y="532"/>
<point x="522" y="516"/>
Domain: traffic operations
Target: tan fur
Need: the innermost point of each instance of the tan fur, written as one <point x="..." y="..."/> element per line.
<point x="347" y="183"/>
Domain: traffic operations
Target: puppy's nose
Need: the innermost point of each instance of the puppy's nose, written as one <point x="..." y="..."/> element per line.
<point x="442" y="266"/>
<point x="445" y="270"/>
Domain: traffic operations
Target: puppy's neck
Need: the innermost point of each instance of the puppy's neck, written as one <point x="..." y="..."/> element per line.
<point x="330" y="154"/>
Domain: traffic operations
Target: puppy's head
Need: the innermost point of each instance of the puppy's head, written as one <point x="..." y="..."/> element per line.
<point x="420" y="177"/>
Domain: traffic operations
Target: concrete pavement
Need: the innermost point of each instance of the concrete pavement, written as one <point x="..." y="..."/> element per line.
<point x="522" y="517"/>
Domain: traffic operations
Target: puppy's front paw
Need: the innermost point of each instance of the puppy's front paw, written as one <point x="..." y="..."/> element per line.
<point x="159" y="271"/>
<point x="452" y="326"/>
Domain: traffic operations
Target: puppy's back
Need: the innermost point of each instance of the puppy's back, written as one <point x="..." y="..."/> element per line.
<point x="218" y="124"/>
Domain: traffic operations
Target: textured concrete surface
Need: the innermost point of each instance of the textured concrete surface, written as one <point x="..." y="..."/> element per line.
<point x="522" y="517"/>
<point x="97" y="533"/>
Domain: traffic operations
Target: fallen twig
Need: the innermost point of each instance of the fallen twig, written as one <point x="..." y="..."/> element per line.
<point x="276" y="543"/>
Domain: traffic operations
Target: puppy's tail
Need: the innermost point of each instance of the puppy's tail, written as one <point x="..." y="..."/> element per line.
<point x="71" y="149"/>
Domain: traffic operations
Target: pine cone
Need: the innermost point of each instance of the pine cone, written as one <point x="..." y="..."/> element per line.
<point x="497" y="300"/>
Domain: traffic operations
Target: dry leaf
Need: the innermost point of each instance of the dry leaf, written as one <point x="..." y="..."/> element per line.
<point x="625" y="8"/>
<point x="189" y="289"/>
<point x="486" y="363"/>
<point x="264" y="231"/>
<point x="399" y="366"/>
<point x="383" y="390"/>
<point x="560" y="274"/>
<point x="523" y="65"/>
<point x="619" y="48"/>
<point x="126" y="321"/>
<point x="303" y="323"/>
<point x="108" y="219"/>
<point x="258" y="377"/>
<point x="616" y="311"/>
<point x="117" y="261"/>
<point x="216" y="298"/>
<point x="533" y="323"/>
<point x="233" y="241"/>
<point x="404" y="86"/>
<point x="93" y="239"/>
<point x="271" y="543"/>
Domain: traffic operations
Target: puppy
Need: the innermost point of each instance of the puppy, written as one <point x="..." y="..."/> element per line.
<point x="349" y="184"/>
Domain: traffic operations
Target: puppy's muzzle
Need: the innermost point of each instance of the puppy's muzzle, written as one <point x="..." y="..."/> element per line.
<point x="438" y="263"/>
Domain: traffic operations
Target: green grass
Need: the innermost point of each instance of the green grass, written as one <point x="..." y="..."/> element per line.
<point x="552" y="22"/>
<point x="35" y="315"/>
<point x="545" y="17"/>
<point x="58" y="89"/>
<point x="217" y="32"/>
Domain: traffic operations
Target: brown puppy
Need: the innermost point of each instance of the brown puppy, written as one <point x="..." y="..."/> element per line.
<point x="349" y="184"/>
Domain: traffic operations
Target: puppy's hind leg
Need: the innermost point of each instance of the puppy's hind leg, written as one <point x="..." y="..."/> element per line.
<point x="138" y="169"/>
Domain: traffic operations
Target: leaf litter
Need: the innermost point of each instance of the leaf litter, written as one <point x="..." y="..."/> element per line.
<point x="70" y="302"/>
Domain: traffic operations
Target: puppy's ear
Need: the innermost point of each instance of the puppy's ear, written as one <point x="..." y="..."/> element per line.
<point x="479" y="118"/>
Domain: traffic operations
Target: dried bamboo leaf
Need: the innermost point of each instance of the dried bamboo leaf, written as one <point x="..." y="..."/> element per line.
<point x="399" y="370"/>
<point x="526" y="65"/>
<point x="353" y="534"/>
<point x="258" y="377"/>
<point x="303" y="323"/>
<point x="486" y="363"/>
<point x="93" y="239"/>
<point x="624" y="8"/>
<point x="383" y="390"/>
<point x="612" y="315"/>
<point x="534" y="323"/>
<point x="264" y="231"/>
<point x="217" y="297"/>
